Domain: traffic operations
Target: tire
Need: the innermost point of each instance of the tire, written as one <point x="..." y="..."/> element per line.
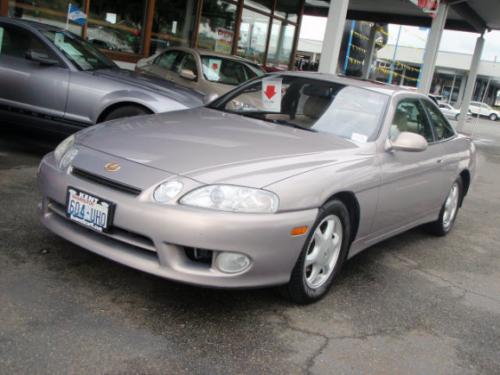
<point x="301" y="289"/>
<point x="444" y="224"/>
<point x="493" y="117"/>
<point x="457" y="116"/>
<point x="126" y="111"/>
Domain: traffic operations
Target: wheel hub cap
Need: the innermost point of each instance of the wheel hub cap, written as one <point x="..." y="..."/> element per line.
<point x="451" y="206"/>
<point x="323" y="251"/>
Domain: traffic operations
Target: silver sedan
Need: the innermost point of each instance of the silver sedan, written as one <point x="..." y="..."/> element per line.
<point x="275" y="183"/>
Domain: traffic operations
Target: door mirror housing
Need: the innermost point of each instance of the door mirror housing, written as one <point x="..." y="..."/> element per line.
<point x="407" y="141"/>
<point x="40" y="58"/>
<point x="210" y="97"/>
<point x="188" y="74"/>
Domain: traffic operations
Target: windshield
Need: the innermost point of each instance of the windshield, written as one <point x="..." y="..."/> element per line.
<point x="226" y="71"/>
<point x="349" y="112"/>
<point x="82" y="54"/>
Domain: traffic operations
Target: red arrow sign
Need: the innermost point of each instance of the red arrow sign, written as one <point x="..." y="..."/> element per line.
<point x="270" y="91"/>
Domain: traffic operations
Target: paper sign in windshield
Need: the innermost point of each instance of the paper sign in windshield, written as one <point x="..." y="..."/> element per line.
<point x="1" y="38"/>
<point x="214" y="65"/>
<point x="271" y="94"/>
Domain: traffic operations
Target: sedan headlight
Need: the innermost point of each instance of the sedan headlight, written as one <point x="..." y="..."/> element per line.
<point x="63" y="147"/>
<point x="65" y="152"/>
<point x="167" y="191"/>
<point x="232" y="198"/>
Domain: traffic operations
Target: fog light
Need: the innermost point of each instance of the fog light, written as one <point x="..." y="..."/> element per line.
<point x="232" y="262"/>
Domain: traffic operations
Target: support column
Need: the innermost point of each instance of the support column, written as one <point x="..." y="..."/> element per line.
<point x="432" y="47"/>
<point x="471" y="81"/>
<point x="333" y="36"/>
<point x="4" y="7"/>
<point x="461" y="90"/>
<point x="369" y="53"/>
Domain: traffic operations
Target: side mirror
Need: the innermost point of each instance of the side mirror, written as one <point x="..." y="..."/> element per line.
<point x="407" y="141"/>
<point x="40" y="58"/>
<point x="210" y="97"/>
<point x="188" y="74"/>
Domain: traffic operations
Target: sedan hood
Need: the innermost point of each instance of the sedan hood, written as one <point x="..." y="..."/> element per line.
<point x="183" y="95"/>
<point x="216" y="147"/>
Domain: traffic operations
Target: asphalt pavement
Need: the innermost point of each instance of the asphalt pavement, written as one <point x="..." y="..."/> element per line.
<point x="414" y="304"/>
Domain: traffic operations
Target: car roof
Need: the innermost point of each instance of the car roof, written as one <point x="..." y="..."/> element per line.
<point x="375" y="86"/>
<point x="34" y="24"/>
<point x="205" y="52"/>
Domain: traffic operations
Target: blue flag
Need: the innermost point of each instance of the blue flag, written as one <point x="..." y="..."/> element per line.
<point x="76" y="15"/>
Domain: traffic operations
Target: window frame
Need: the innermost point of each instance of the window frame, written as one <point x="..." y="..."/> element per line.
<point x="425" y="115"/>
<point x="431" y="123"/>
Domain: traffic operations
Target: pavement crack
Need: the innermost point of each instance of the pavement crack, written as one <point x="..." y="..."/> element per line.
<point x="465" y="290"/>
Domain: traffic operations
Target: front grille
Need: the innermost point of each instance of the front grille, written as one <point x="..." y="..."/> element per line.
<point x="118" y="234"/>
<point x="84" y="175"/>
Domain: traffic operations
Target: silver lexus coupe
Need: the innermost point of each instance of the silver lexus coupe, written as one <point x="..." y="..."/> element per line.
<point x="275" y="183"/>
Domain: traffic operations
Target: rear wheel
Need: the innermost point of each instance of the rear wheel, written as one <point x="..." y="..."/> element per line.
<point x="457" y="116"/>
<point x="126" y="111"/>
<point x="493" y="117"/>
<point x="443" y="225"/>
<point x="323" y="254"/>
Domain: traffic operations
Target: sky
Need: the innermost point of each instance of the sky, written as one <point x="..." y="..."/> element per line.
<point x="452" y="41"/>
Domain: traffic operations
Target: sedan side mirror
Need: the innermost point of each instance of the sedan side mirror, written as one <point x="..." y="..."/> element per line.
<point x="210" y="97"/>
<point x="407" y="141"/>
<point x="188" y="74"/>
<point x="40" y="58"/>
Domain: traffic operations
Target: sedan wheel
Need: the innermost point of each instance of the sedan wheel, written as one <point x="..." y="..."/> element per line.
<point x="322" y="256"/>
<point x="449" y="210"/>
<point x="493" y="117"/>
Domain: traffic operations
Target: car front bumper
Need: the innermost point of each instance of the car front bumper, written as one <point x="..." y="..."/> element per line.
<point x="153" y="238"/>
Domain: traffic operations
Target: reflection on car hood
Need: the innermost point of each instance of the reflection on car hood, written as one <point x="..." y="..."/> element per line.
<point x="216" y="147"/>
<point x="183" y="95"/>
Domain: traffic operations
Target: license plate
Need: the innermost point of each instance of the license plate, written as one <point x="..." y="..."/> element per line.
<point x="89" y="210"/>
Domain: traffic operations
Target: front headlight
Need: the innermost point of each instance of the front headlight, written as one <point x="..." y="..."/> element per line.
<point x="167" y="191"/>
<point x="232" y="198"/>
<point x="63" y="147"/>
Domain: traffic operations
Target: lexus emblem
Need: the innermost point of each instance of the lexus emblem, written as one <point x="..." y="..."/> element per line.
<point x="112" y="167"/>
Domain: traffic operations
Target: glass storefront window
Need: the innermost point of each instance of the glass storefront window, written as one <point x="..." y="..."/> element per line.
<point x="216" y="31"/>
<point x="45" y="11"/>
<point x="173" y="23"/>
<point x="280" y="44"/>
<point x="287" y="9"/>
<point x="262" y="5"/>
<point x="253" y="35"/>
<point x="116" y="25"/>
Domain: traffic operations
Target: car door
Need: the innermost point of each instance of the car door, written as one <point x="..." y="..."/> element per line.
<point x="165" y="64"/>
<point x="408" y="192"/>
<point x="186" y="72"/>
<point x="474" y="108"/>
<point x="31" y="86"/>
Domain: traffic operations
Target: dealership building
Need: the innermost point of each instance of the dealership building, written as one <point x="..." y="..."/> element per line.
<point x="267" y="31"/>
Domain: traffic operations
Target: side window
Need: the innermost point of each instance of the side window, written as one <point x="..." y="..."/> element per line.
<point x="225" y="71"/>
<point x="167" y="60"/>
<point x="188" y="63"/>
<point x="16" y="42"/>
<point x="410" y="117"/>
<point x="442" y="128"/>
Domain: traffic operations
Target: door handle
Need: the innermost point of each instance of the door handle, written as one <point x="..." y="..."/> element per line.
<point x="439" y="161"/>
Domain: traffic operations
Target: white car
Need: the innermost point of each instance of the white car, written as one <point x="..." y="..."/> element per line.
<point x="482" y="109"/>
<point x="451" y="112"/>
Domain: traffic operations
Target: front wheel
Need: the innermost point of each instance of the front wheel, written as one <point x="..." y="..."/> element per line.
<point x="322" y="256"/>
<point x="443" y="225"/>
<point x="493" y="117"/>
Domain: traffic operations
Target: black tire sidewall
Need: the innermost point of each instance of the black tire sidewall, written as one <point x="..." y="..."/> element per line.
<point x="299" y="291"/>
<point x="442" y="228"/>
<point x="493" y="117"/>
<point x="125" y="111"/>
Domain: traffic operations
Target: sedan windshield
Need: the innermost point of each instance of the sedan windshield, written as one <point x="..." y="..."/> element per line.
<point x="310" y="104"/>
<point x="82" y="54"/>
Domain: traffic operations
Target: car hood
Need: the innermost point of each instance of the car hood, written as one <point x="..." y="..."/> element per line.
<point x="188" y="97"/>
<point x="215" y="147"/>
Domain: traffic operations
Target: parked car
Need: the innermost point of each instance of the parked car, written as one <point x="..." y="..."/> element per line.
<point x="205" y="71"/>
<point x="451" y="112"/>
<point x="483" y="109"/>
<point x="277" y="182"/>
<point x="49" y="76"/>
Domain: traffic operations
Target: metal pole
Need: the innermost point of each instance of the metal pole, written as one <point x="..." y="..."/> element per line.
<point x="348" y="53"/>
<point x="452" y="88"/>
<point x="391" y="74"/>
<point x="367" y="64"/>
